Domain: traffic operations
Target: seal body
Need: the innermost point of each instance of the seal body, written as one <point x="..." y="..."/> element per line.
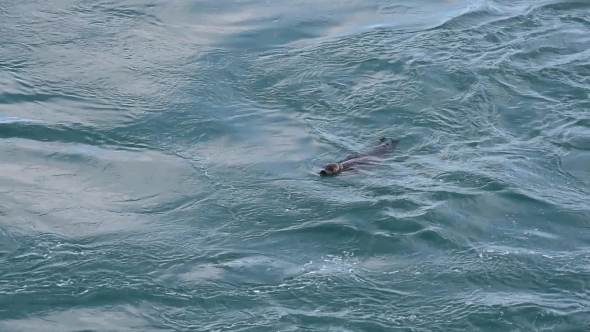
<point x="384" y="148"/>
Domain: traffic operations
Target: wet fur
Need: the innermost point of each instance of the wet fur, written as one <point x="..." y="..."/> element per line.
<point x="384" y="148"/>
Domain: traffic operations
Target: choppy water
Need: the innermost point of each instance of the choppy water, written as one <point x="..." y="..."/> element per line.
<point x="159" y="158"/>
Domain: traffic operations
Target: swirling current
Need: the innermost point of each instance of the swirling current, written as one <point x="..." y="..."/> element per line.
<point x="159" y="165"/>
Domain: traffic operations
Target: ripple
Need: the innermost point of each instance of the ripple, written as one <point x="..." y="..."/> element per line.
<point x="124" y="318"/>
<point x="77" y="181"/>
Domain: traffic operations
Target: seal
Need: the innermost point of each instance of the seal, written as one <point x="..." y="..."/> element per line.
<point x="384" y="148"/>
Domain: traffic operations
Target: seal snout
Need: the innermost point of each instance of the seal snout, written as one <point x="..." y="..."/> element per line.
<point x="323" y="173"/>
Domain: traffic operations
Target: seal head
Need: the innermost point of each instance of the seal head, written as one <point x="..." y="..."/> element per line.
<point x="331" y="169"/>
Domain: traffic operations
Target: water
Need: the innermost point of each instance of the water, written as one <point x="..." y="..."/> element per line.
<point x="159" y="166"/>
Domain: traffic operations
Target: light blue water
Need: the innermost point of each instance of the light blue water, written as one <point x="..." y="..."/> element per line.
<point x="159" y="166"/>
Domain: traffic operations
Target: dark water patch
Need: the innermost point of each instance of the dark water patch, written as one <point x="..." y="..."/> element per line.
<point x="431" y="238"/>
<point x="329" y="229"/>
<point x="481" y="182"/>
<point x="136" y="12"/>
<point x="575" y="136"/>
<point x="61" y="133"/>
<point x="277" y="36"/>
<point x="572" y="166"/>
<point x="474" y="17"/>
<point x="562" y="6"/>
<point x="398" y="211"/>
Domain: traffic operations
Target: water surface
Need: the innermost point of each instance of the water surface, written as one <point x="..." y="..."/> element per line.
<point x="159" y="166"/>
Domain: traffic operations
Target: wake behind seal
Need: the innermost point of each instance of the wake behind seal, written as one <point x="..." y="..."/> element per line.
<point x="384" y="148"/>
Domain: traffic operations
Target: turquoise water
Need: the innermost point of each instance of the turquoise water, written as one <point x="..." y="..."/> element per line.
<point x="159" y="165"/>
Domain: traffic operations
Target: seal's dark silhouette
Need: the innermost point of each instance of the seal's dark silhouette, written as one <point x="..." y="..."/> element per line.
<point x="384" y="148"/>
